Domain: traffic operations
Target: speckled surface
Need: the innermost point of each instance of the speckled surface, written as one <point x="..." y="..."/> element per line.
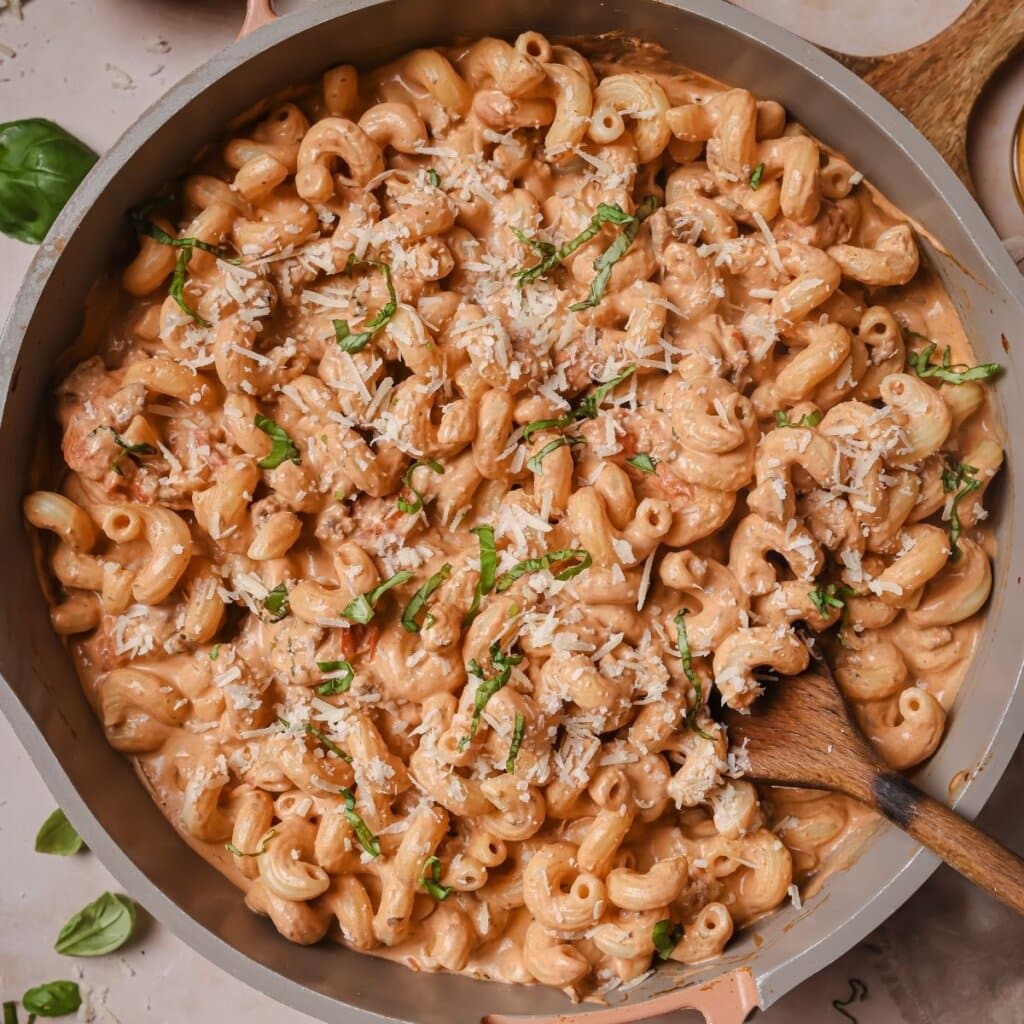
<point x="950" y="956"/>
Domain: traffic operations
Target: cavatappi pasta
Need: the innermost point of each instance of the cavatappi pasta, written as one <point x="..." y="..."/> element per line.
<point x="468" y="431"/>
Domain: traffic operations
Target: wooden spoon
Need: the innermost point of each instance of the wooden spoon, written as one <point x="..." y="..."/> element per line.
<point x="799" y="733"/>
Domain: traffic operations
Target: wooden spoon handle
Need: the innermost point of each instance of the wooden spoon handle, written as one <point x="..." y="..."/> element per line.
<point x="962" y="846"/>
<point x="936" y="84"/>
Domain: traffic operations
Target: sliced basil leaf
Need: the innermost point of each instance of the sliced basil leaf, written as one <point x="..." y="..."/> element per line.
<point x="340" y="682"/>
<point x="57" y="835"/>
<point x="258" y="852"/>
<point x="177" y="288"/>
<point x="282" y="446"/>
<point x="810" y="419"/>
<point x="585" y="410"/>
<point x="605" y="263"/>
<point x="430" y="880"/>
<point x="40" y="166"/>
<point x="504" y="663"/>
<point x="578" y="557"/>
<point x="433" y="177"/>
<point x="420" y="598"/>
<point x="360" y="609"/>
<point x="666" y="937"/>
<point x="350" y="342"/>
<point x="367" y="840"/>
<point x="755" y="178"/>
<point x="321" y="737"/>
<point x="534" y="463"/>
<point x="276" y="602"/>
<point x="607" y="213"/>
<point x="686" y="658"/>
<point x="643" y="461"/>
<point x="517" y="741"/>
<point x="412" y="507"/>
<point x="488" y="565"/>
<point x="101" y="927"/>
<point x="54" y="999"/>
<point x="214" y="652"/>
<point x="949" y="373"/>
<point x="958" y="479"/>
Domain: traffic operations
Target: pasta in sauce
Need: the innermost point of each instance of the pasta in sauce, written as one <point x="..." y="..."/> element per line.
<point x="467" y="427"/>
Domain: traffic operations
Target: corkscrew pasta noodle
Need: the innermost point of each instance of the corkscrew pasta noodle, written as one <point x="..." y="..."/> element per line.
<point x="468" y="432"/>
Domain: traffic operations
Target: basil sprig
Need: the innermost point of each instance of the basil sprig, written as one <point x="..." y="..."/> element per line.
<point x="579" y="559"/>
<point x="755" y="178"/>
<point x="412" y="507"/>
<point x="644" y="461"/>
<point x="605" y="263"/>
<point x="430" y="880"/>
<point x="360" y="609"/>
<point x="949" y="373"/>
<point x="367" y="840"/>
<point x="488" y="687"/>
<point x="517" y="741"/>
<point x="54" y="999"/>
<point x="958" y="479"/>
<point x="420" y="598"/>
<point x="57" y="835"/>
<point x="810" y="419"/>
<point x="666" y="936"/>
<point x="276" y="602"/>
<point x="686" y="659"/>
<point x="40" y="166"/>
<point x="343" y="335"/>
<point x="101" y="927"/>
<point x="488" y="566"/>
<point x="258" y="852"/>
<point x="339" y="682"/>
<point x="282" y="446"/>
<point x="563" y="441"/>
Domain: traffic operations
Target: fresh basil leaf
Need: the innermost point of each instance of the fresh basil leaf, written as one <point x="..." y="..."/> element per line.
<point x="643" y="461"/>
<point x="54" y="999"/>
<point x="810" y="419"/>
<point x="666" y="937"/>
<point x="258" y="852"/>
<point x="214" y="652"/>
<point x="282" y="446"/>
<point x="578" y="557"/>
<point x="40" y="166"/>
<point x="360" y="609"/>
<point x="104" y="925"/>
<point x="339" y="683"/>
<point x="488" y="687"/>
<point x="958" y="479"/>
<point x="177" y="289"/>
<point x="755" y="178"/>
<point x="488" y="565"/>
<point x="412" y="507"/>
<point x="585" y="410"/>
<point x="420" y="598"/>
<point x="517" y="741"/>
<point x="605" y="263"/>
<point x="367" y="840"/>
<point x="350" y="342"/>
<point x="949" y="373"/>
<point x="320" y="736"/>
<point x="276" y="602"/>
<point x="686" y="659"/>
<point x="433" y="177"/>
<point x="58" y="836"/>
<point x="830" y="597"/>
<point x="430" y="880"/>
<point x="534" y="463"/>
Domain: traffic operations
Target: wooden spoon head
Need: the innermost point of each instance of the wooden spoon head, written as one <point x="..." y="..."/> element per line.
<point x="799" y="733"/>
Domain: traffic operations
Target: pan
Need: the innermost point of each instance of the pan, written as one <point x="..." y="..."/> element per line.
<point x="41" y="695"/>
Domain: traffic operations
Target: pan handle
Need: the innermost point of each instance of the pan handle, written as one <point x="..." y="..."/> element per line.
<point x="729" y="999"/>
<point x="257" y="14"/>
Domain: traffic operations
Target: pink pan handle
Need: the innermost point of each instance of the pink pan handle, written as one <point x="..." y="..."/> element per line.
<point x="729" y="999"/>
<point x="257" y="14"/>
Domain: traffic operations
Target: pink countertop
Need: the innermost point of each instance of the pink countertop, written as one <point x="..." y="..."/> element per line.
<point x="949" y="956"/>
